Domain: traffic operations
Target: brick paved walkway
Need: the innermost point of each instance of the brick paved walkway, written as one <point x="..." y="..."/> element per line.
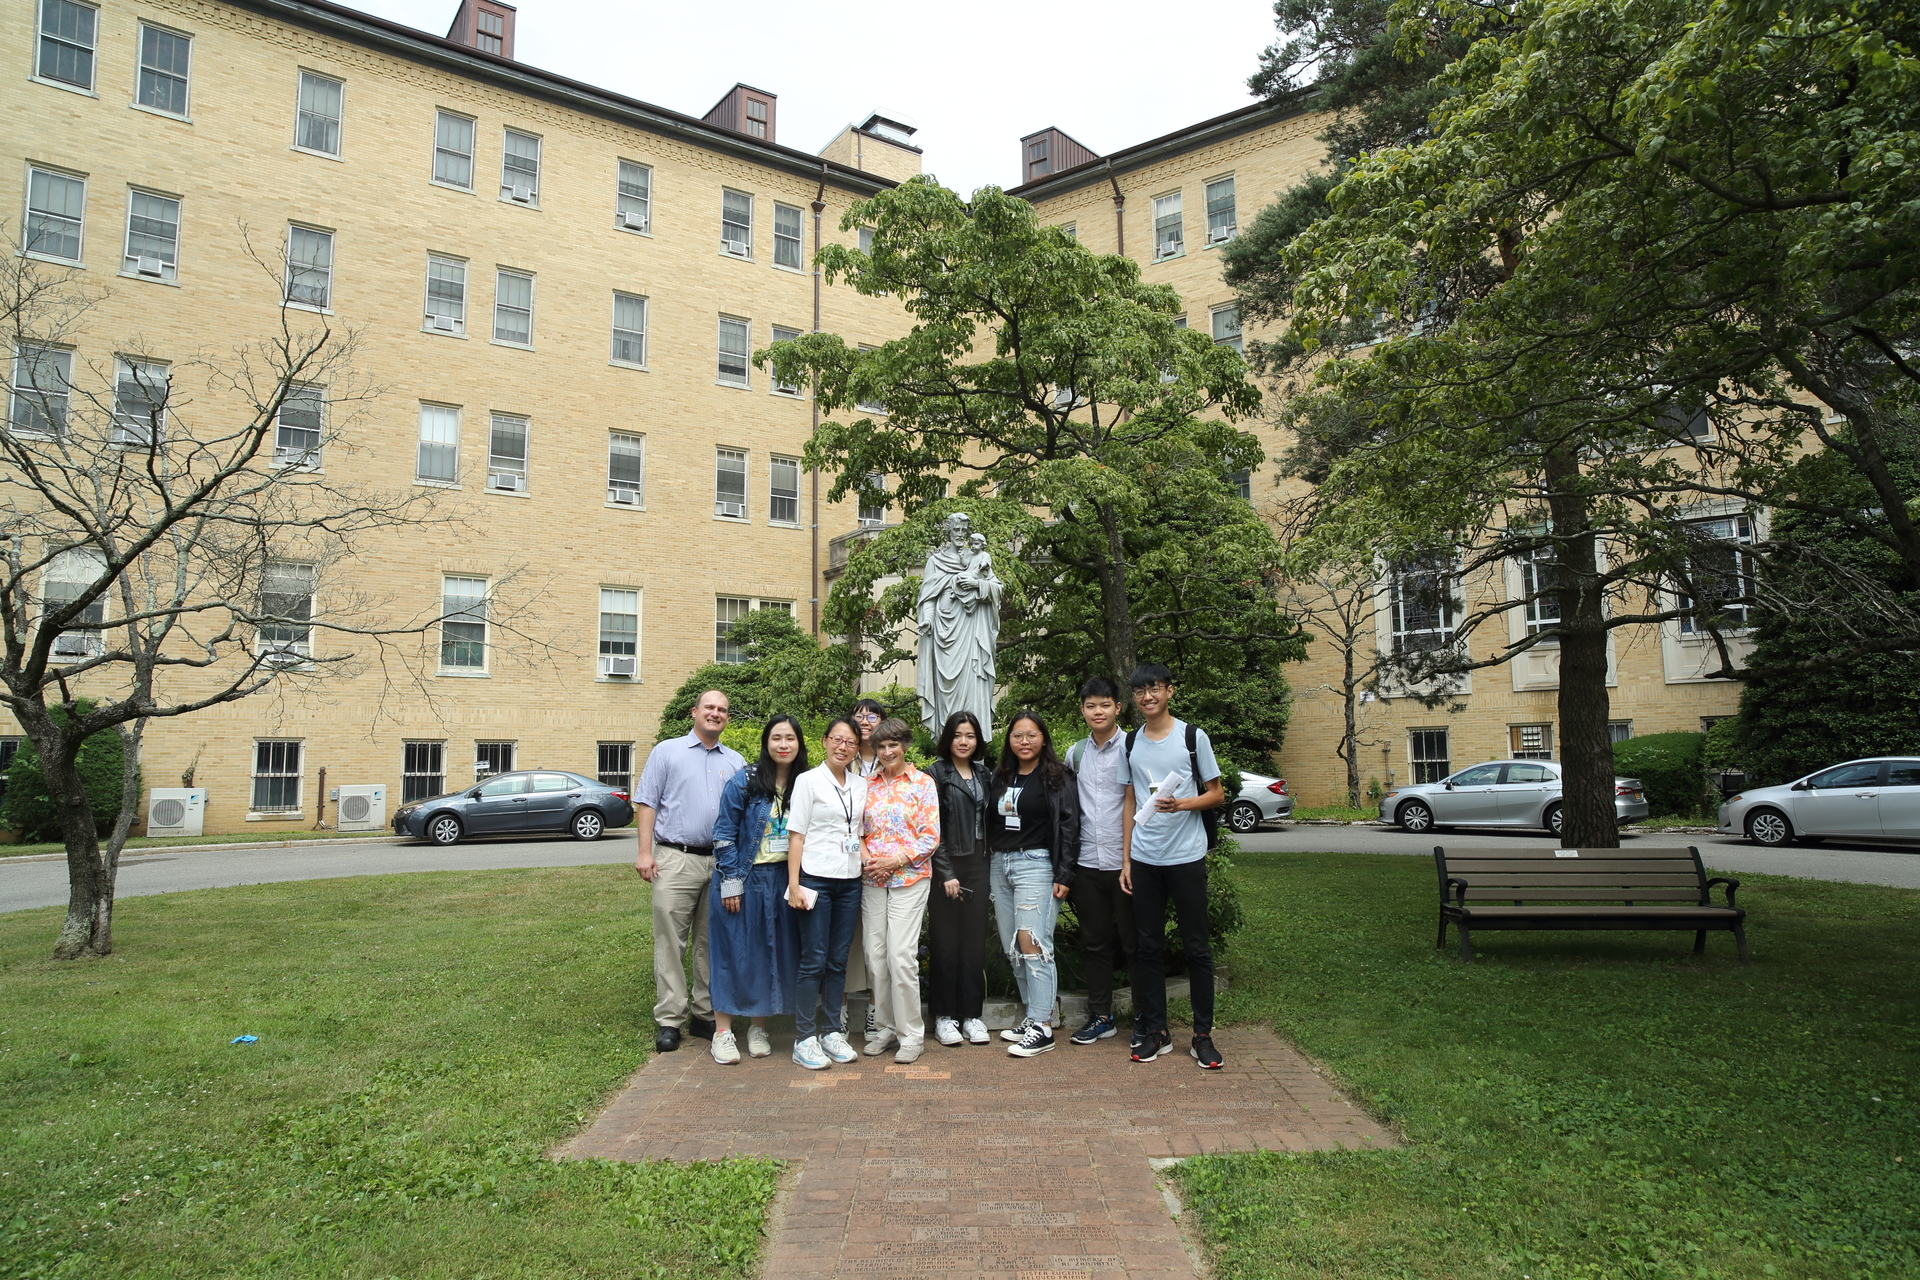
<point x="970" y="1163"/>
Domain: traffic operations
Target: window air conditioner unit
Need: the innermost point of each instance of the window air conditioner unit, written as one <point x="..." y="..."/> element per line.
<point x="1218" y="234"/>
<point x="626" y="497"/>
<point x="1171" y="247"/>
<point x="300" y="459"/>
<point x="176" y="811"/>
<point x="622" y="666"/>
<point x="504" y="480"/>
<point x="283" y="655"/>
<point x="522" y="192"/>
<point x="75" y="644"/>
<point x="443" y="324"/>
<point x="634" y="221"/>
<point x="738" y="248"/>
<point x="361" y="809"/>
<point x="150" y="264"/>
<point x="738" y="510"/>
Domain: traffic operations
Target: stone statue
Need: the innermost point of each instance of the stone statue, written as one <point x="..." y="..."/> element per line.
<point x="958" y="619"/>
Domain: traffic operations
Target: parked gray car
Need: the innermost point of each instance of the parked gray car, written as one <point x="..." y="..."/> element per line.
<point x="518" y="803"/>
<point x="1261" y="799"/>
<point x="1866" y="799"/>
<point x="1500" y="793"/>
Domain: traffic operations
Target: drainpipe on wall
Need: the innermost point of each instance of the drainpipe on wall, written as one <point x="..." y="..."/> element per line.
<point x="813" y="579"/>
<point x="1119" y="211"/>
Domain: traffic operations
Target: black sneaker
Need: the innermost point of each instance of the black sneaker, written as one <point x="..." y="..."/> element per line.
<point x="1205" y="1054"/>
<point x="1038" y="1040"/>
<point x="1099" y="1027"/>
<point x="1017" y="1032"/>
<point x="1148" y="1045"/>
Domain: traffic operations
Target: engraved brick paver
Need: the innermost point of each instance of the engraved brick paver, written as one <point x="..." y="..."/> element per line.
<point x="971" y="1163"/>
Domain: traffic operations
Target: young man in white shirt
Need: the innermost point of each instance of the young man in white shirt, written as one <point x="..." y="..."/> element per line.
<point x="1105" y="912"/>
<point x="1173" y="770"/>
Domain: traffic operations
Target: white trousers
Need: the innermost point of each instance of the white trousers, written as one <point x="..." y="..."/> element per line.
<point x="890" y="934"/>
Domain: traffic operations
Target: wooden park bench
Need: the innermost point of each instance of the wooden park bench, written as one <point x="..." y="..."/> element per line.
<point x="1582" y="889"/>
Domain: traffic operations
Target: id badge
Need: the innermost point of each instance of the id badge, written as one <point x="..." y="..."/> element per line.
<point x="777" y="838"/>
<point x="1010" y="808"/>
<point x="850" y="845"/>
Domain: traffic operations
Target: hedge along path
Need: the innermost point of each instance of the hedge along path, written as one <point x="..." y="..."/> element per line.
<point x="971" y="1164"/>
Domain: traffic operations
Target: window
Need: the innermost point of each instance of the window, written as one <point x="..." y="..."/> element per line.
<point x="42" y="385"/>
<point x="756" y="117"/>
<point x="446" y="295"/>
<point x="728" y="610"/>
<point x="730" y="484"/>
<point x="309" y="268"/>
<point x="423" y="770"/>
<point x="1539" y="573"/>
<point x="1039" y="161"/>
<point x="733" y="351"/>
<point x="1226" y="329"/>
<point x="1071" y="230"/>
<point x="56" y="213"/>
<point x="1421" y="592"/>
<point x="493" y="757"/>
<point x="153" y="236"/>
<point x="520" y="168"/>
<point x="633" y="198"/>
<point x="67" y="34"/>
<point x="1531" y="741"/>
<point x="296" y="439"/>
<point x="286" y="595"/>
<point x="276" y="776"/>
<point x="453" y="150"/>
<point x="866" y="240"/>
<point x="783" y="334"/>
<point x="1221" y="219"/>
<point x="736" y="224"/>
<point x="629" y="329"/>
<point x="1720" y="571"/>
<point x="626" y="469"/>
<point x="68" y="577"/>
<point x="139" y="402"/>
<point x="1428" y="749"/>
<point x="1241" y="482"/>
<point x="786" y="236"/>
<point x="1619" y="730"/>
<point x="1169" y="234"/>
<point x="163" y="70"/>
<point x="616" y="765"/>
<point x="619" y="632"/>
<point x="513" y="308"/>
<point x="463" y="624"/>
<point x="439" y="443"/>
<point x="318" y="126"/>
<point x="507" y="454"/>
<point x="489" y="31"/>
<point x="873" y="502"/>
<point x="783" y="504"/>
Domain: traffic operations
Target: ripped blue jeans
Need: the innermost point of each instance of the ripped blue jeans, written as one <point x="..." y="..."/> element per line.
<point x="1023" y="901"/>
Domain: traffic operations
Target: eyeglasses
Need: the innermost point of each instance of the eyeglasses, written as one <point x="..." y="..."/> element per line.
<point x="1154" y="688"/>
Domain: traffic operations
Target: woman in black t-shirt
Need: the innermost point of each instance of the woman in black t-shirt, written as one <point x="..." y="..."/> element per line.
<point x="1033" y="829"/>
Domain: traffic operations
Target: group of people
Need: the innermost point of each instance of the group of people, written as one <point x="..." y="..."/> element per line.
<point x="781" y="882"/>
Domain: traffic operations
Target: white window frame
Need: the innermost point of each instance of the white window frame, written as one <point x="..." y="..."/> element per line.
<point x="503" y="756"/>
<point x="135" y="266"/>
<point x="301" y="457"/>
<point x="512" y="180"/>
<point x="1224" y="324"/>
<point x="744" y="354"/>
<point x="142" y="71"/>
<point x="140" y="430"/>
<point x="500" y="274"/>
<point x="1168" y="213"/>
<point x="297" y="643"/>
<point x="300" y="114"/>
<point x="468" y="609"/>
<point x="722" y="497"/>
<point x="742" y="249"/>
<point x="42" y="37"/>
<point x="28" y="410"/>
<point x="633" y="212"/>
<point x="280" y="758"/>
<point x="76" y="567"/>
<point x="617" y="485"/>
<point x="471" y="155"/>
<point x="439" y="429"/>
<point x="1744" y="534"/>
<point x="728" y="610"/>
<point x="781" y="333"/>
<point x="634" y="337"/>
<point x="1543" y="613"/>
<point x="1445" y="617"/>
<point x="456" y="320"/>
<point x="1420" y="743"/>
<point x="78" y="224"/>
<point x="416" y="755"/>
<point x="774" y="494"/>
<point x="872" y="515"/>
<point x="299" y="269"/>
<point x="505" y="473"/>
<point x="1231" y="225"/>
<point x="614" y="640"/>
<point x="796" y="242"/>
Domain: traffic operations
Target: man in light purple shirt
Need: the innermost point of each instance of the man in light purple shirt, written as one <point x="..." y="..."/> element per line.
<point x="676" y="805"/>
<point x="1104" y="909"/>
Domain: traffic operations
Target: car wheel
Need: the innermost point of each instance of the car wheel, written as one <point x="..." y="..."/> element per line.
<point x="1769" y="827"/>
<point x="1414" y="817"/>
<point x="1553" y="820"/>
<point x="444" y="829"/>
<point x="1243" y="817"/>
<point x="588" y="824"/>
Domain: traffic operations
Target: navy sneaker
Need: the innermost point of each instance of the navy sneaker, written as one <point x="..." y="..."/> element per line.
<point x="1205" y="1054"/>
<point x="1099" y="1027"/>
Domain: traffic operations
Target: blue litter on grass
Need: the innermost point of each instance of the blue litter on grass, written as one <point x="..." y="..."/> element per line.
<point x="243" y="1040"/>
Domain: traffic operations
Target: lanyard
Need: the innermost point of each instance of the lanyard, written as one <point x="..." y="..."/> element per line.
<point x="845" y="797"/>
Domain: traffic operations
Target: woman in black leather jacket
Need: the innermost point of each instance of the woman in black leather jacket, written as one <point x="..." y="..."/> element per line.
<point x="957" y="908"/>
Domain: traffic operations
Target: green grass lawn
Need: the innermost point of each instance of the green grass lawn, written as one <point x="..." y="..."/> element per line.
<point x="423" y="1040"/>
<point x="1580" y="1105"/>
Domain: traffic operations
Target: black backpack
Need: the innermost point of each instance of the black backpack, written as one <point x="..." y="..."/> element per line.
<point x="1209" y="818"/>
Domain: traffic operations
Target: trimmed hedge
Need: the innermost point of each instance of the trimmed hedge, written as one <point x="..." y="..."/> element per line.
<point x="28" y="811"/>
<point x="1669" y="764"/>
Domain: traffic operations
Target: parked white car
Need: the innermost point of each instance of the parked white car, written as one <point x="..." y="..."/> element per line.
<point x="1261" y="799"/>
<point x="1865" y="799"/>
<point x="1500" y="793"/>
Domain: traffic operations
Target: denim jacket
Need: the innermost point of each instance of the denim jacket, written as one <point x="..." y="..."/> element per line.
<point x="737" y="832"/>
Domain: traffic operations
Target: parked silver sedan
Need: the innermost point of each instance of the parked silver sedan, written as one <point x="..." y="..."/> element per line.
<point x="1500" y="793"/>
<point x="1875" y="799"/>
<point x="1261" y="799"/>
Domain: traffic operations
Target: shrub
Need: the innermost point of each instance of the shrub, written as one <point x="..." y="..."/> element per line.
<point x="1669" y="766"/>
<point x="28" y="809"/>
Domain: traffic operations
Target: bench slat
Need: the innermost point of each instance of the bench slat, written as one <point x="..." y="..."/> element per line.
<point x="1568" y="866"/>
<point x="1683" y="854"/>
<point x="1690" y="912"/>
<point x="1496" y="894"/>
<point x="1591" y="875"/>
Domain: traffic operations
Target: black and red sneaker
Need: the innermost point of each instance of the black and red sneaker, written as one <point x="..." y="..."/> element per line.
<point x="1148" y="1045"/>
<point x="1205" y="1054"/>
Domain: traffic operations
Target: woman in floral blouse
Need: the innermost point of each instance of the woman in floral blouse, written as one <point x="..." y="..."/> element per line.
<point x="902" y="827"/>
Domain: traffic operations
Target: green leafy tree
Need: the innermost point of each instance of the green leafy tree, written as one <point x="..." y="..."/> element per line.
<point x="783" y="670"/>
<point x="29" y="810"/>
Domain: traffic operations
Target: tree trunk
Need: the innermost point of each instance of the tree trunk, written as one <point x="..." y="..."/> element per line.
<point x="1350" y="742"/>
<point x="88" y="930"/>
<point x="1586" y="750"/>
<point x="1116" y="604"/>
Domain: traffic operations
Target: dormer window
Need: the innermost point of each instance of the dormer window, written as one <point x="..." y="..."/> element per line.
<point x="756" y="117"/>
<point x="489" y="31"/>
<point x="1038" y="162"/>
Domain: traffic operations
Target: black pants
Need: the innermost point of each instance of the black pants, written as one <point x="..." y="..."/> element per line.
<point x="1106" y="932"/>
<point x="957" y="942"/>
<point x="1185" y="886"/>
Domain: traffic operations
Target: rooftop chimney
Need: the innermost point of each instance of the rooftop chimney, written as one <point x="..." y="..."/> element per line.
<point x="746" y="110"/>
<point x="486" y="25"/>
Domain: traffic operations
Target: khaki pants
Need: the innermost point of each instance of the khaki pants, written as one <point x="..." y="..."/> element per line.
<point x="679" y="927"/>
<point x="890" y="932"/>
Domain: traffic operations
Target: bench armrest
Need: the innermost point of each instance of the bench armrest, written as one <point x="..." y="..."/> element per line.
<point x="1732" y="887"/>
<point x="1458" y="889"/>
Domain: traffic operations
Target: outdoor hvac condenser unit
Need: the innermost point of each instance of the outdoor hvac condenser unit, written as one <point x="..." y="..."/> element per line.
<point x="176" y="811"/>
<point x="362" y="809"/>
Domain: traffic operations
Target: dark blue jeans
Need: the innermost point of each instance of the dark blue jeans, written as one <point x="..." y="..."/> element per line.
<point x="826" y="934"/>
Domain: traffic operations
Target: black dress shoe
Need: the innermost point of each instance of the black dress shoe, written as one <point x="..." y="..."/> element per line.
<point x="701" y="1028"/>
<point x="666" y="1039"/>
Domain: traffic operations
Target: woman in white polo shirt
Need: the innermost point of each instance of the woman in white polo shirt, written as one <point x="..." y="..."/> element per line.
<point x="823" y="886"/>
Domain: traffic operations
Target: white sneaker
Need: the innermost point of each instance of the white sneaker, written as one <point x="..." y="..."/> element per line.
<point x="976" y="1031"/>
<point x="725" y="1051"/>
<point x="809" y="1055"/>
<point x="909" y="1052"/>
<point x="836" y="1047"/>
<point x="1017" y="1032"/>
<point x="757" y="1043"/>
<point x="880" y="1042"/>
<point x="946" y="1031"/>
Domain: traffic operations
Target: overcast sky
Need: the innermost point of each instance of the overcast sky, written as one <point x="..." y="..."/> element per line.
<point x="973" y="78"/>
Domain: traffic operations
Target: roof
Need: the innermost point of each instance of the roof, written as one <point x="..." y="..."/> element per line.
<point x="1154" y="150"/>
